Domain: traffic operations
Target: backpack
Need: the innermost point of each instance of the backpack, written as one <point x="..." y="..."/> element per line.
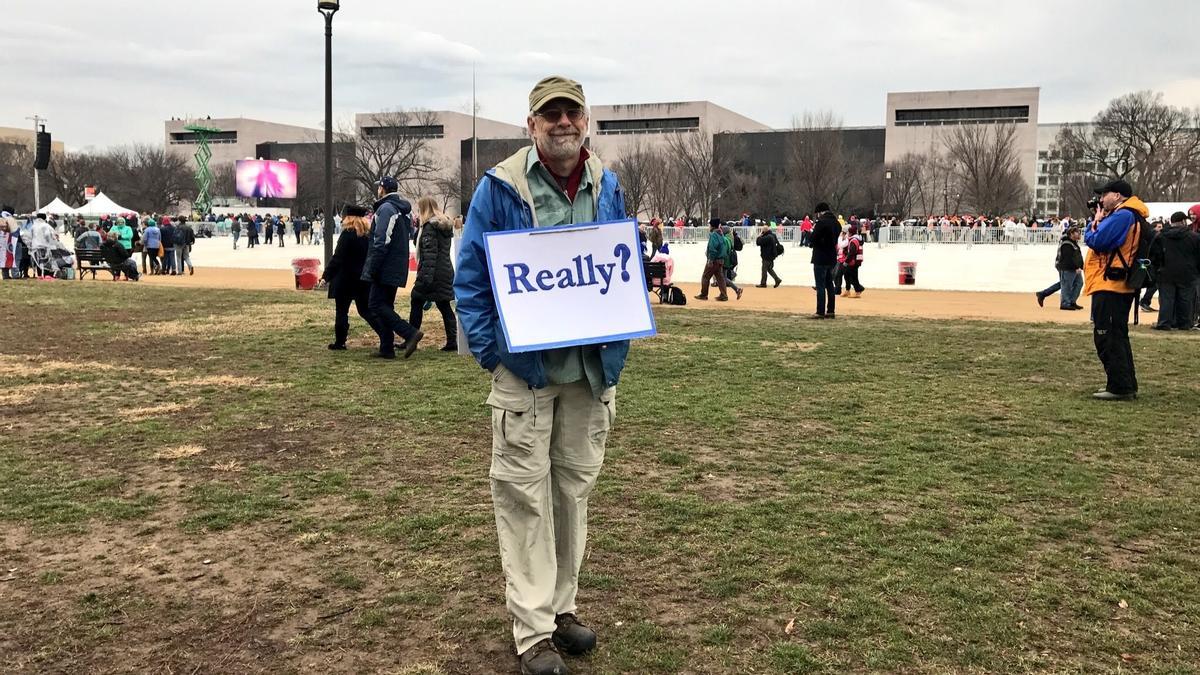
<point x="1136" y="273"/>
<point x="778" y="246"/>
<point x="674" y="295"/>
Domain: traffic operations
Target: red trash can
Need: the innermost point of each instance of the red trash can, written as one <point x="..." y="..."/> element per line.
<point x="307" y="271"/>
<point x="908" y="273"/>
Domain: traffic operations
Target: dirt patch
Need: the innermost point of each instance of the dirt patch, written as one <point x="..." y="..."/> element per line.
<point x="32" y="366"/>
<point x="250" y="320"/>
<point x="179" y="452"/>
<point x="150" y="412"/>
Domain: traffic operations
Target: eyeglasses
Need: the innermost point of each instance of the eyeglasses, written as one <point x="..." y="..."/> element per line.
<point x="553" y="115"/>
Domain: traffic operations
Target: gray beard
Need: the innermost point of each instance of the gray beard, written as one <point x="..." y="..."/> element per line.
<point x="561" y="148"/>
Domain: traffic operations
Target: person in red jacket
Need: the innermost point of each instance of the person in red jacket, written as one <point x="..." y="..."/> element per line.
<point x="854" y="261"/>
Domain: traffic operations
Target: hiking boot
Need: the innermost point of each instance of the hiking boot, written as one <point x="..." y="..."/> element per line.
<point x="739" y="293"/>
<point x="572" y="637"/>
<point x="450" y="348"/>
<point x="383" y="355"/>
<point x="1146" y="307"/>
<point x="700" y="297"/>
<point x="817" y="316"/>
<point x="411" y="345"/>
<point x="543" y="659"/>
<point x="337" y="346"/>
<point x="722" y="298"/>
<point x="777" y="283"/>
<point x="1109" y="396"/>
<point x="830" y="315"/>
<point x="1076" y="306"/>
<point x="760" y="285"/>
<point x="1041" y="299"/>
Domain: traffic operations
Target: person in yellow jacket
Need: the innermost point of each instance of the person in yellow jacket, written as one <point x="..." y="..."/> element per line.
<point x="1112" y="241"/>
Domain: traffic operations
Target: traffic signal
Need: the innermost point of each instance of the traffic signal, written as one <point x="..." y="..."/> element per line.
<point x="42" y="160"/>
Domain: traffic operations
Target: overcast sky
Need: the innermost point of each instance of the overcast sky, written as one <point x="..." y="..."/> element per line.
<point x="107" y="73"/>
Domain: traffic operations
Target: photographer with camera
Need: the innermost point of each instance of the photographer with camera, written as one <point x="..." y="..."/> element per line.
<point x="1113" y="274"/>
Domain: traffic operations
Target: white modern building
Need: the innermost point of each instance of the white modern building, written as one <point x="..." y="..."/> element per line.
<point x="236" y="139"/>
<point x="617" y="128"/>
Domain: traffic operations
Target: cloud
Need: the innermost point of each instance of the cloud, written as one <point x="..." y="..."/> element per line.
<point x="109" y="75"/>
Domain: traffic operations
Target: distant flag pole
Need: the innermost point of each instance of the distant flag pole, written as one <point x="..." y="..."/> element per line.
<point x="474" y="139"/>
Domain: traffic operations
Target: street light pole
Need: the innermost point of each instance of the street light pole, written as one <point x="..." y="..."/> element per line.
<point x="37" y="189"/>
<point x="328" y="8"/>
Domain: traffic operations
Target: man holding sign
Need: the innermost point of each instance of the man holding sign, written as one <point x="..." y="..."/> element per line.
<point x="551" y="408"/>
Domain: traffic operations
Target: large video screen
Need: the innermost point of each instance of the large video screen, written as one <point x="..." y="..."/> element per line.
<point x="266" y="179"/>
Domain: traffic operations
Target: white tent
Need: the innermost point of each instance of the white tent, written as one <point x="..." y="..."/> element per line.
<point x="57" y="207"/>
<point x="101" y="205"/>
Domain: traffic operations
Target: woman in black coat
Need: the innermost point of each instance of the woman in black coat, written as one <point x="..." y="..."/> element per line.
<point x="435" y="272"/>
<point x="344" y="271"/>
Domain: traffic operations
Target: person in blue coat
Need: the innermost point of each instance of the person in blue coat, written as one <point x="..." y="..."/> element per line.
<point x="386" y="269"/>
<point x="551" y="409"/>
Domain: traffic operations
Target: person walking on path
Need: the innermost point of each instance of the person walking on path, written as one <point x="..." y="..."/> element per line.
<point x="853" y="263"/>
<point x="551" y="409"/>
<point x="1068" y="261"/>
<point x="735" y="244"/>
<point x="386" y="268"/>
<point x="185" y="238"/>
<point x="714" y="267"/>
<point x="280" y="230"/>
<point x="769" y="248"/>
<point x="235" y="229"/>
<point x="435" y="271"/>
<point x="824" y="241"/>
<point x="166" y="233"/>
<point x="343" y="274"/>
<point x="1176" y="257"/>
<point x="1112" y="239"/>
<point x="151" y="246"/>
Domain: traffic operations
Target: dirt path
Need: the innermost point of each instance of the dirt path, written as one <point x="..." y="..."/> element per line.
<point x="883" y="302"/>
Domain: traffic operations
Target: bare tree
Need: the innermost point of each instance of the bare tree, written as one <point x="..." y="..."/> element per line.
<point x="634" y="169"/>
<point x="985" y="169"/>
<point x="667" y="190"/>
<point x="704" y="173"/>
<point x="902" y="190"/>
<point x="821" y="168"/>
<point x="448" y="188"/>
<point x="1138" y="137"/>
<point x="392" y="144"/>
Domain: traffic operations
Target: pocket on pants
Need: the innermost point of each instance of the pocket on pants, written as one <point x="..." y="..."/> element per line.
<point x="513" y="414"/>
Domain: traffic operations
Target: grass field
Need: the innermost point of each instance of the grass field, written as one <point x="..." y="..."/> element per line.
<point x="191" y="482"/>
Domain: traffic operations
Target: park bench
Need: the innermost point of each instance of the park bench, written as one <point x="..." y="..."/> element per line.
<point x="92" y="258"/>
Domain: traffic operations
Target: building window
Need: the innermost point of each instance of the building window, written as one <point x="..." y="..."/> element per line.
<point x="662" y="125"/>
<point x="1042" y="154"/>
<point x="190" y="138"/>
<point x="1017" y="114"/>
<point x="1041" y="180"/>
<point x="413" y="131"/>
<point x="1041" y="194"/>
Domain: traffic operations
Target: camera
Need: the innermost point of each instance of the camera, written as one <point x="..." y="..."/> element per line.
<point x="1093" y="204"/>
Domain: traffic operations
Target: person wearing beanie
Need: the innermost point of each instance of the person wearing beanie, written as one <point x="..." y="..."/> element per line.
<point x="714" y="266"/>
<point x="1175" y="255"/>
<point x="824" y="243"/>
<point x="386" y="268"/>
<point x="343" y="274"/>
<point x="552" y="409"/>
<point x="124" y="233"/>
<point x="151" y="246"/>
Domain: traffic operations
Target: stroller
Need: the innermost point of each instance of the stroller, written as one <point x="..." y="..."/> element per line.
<point x="53" y="263"/>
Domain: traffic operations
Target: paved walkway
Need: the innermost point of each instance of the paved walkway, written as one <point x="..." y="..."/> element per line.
<point x="901" y="303"/>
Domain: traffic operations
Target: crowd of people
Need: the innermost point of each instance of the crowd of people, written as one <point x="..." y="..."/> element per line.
<point x="35" y="246"/>
<point x="262" y="230"/>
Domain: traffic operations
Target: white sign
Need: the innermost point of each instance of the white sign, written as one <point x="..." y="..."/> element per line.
<point x="569" y="285"/>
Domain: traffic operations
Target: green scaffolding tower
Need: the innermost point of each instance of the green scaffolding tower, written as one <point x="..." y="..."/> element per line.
<point x="203" y="175"/>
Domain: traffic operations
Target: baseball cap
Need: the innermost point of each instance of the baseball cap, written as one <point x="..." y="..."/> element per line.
<point x="388" y="184"/>
<point x="1119" y="186"/>
<point x="555" y="86"/>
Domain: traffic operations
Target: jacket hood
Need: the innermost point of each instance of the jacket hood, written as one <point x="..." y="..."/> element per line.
<point x="512" y="172"/>
<point x="440" y="224"/>
<point x="1176" y="232"/>
<point x="394" y="198"/>
<point x="1137" y="205"/>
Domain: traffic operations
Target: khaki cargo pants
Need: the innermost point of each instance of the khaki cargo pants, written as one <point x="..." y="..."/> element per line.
<point x="547" y="449"/>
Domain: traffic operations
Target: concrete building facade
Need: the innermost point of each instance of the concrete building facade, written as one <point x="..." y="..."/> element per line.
<point x="27" y="138"/>
<point x="237" y="139"/>
<point x="615" y="129"/>
<point x="917" y="122"/>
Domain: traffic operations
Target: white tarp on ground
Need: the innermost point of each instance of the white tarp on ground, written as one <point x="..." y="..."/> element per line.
<point x="101" y="206"/>
<point x="57" y="207"/>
